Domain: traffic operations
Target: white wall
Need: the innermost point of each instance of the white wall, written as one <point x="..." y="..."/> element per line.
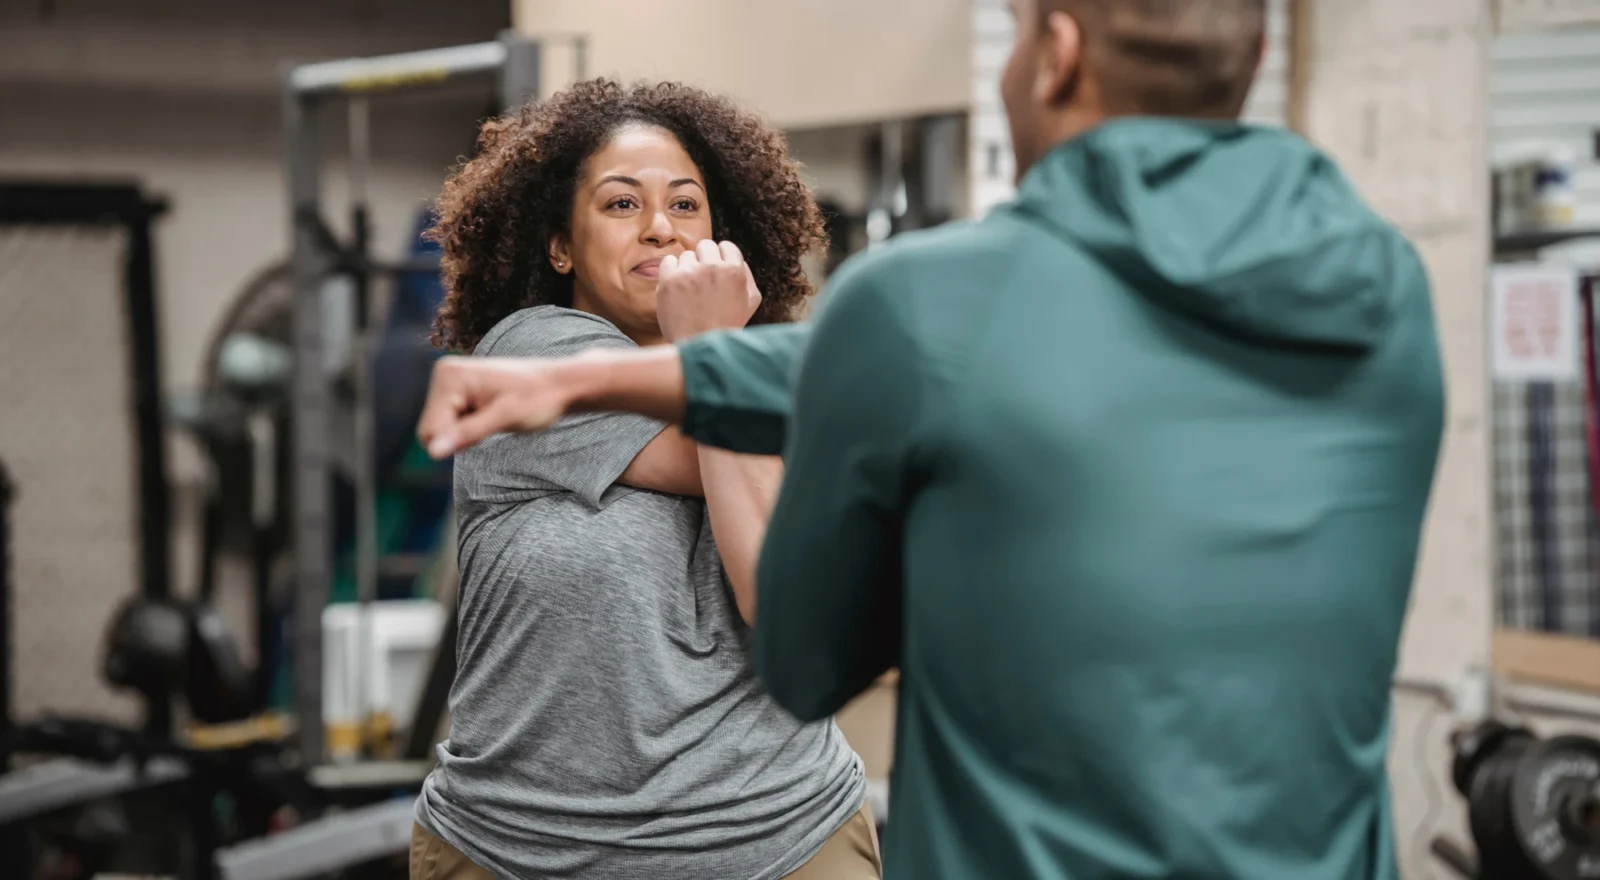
<point x="181" y="96"/>
<point x="803" y="63"/>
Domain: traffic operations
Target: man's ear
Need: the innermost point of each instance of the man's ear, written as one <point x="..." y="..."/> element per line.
<point x="560" y="257"/>
<point x="1060" y="59"/>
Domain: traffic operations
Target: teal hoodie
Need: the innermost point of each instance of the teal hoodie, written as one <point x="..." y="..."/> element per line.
<point x="1128" y="479"/>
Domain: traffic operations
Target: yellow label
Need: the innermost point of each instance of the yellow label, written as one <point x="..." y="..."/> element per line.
<point x="262" y="728"/>
<point x="383" y="81"/>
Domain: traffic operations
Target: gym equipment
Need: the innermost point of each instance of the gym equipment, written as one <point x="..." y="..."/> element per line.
<point x="1533" y="804"/>
<point x="126" y="212"/>
<point x="159" y="647"/>
<point x="239" y="419"/>
<point x="7" y="492"/>
<point x="139" y="799"/>
<point x="134" y="799"/>
<point x="117" y="220"/>
<point x="333" y="413"/>
<point x="52" y="785"/>
<point x="315" y="848"/>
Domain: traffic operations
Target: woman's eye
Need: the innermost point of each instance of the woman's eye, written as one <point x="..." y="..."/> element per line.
<point x="685" y="205"/>
<point x="624" y="203"/>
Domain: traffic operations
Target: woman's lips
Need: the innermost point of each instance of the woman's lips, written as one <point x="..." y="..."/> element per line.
<point x="649" y="268"/>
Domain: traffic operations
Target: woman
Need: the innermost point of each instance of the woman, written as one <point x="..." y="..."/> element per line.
<point x="606" y="721"/>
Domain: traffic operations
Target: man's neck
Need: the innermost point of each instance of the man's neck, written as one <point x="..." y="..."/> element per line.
<point x="1059" y="127"/>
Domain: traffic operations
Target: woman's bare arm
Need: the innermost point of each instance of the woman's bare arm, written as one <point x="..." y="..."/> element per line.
<point x="740" y="491"/>
<point x="670" y="463"/>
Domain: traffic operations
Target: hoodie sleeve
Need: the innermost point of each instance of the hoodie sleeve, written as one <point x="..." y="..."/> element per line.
<point x="739" y="386"/>
<point x="828" y="586"/>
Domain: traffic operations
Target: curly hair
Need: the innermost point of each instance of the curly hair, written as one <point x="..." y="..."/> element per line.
<point x="498" y="211"/>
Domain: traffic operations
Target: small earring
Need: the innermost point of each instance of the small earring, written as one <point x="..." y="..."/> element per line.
<point x="561" y="264"/>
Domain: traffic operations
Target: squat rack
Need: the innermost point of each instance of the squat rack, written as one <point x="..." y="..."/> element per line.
<point x="332" y="433"/>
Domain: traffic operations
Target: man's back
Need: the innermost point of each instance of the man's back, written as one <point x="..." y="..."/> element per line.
<point x="1175" y="419"/>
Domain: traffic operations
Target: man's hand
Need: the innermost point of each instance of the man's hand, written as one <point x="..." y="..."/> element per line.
<point x="710" y="288"/>
<point x="471" y="399"/>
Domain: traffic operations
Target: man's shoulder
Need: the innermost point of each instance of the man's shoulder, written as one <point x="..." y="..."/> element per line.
<point x="548" y="331"/>
<point x="934" y="290"/>
<point x="940" y="284"/>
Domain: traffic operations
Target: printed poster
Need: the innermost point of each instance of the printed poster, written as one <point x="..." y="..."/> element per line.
<point x="1534" y="316"/>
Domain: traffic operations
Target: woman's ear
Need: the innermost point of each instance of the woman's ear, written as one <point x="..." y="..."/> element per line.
<point x="559" y="257"/>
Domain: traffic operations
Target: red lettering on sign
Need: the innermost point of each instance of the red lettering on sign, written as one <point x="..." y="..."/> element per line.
<point x="1533" y="319"/>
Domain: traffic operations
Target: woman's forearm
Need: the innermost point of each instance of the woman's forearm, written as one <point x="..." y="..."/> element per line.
<point x="740" y="491"/>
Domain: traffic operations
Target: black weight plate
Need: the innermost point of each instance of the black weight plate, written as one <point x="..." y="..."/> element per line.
<point x="1555" y="807"/>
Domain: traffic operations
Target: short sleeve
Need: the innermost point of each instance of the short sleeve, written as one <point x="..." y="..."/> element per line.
<point x="582" y="454"/>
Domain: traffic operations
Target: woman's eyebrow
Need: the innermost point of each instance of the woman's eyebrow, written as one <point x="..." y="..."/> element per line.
<point x="634" y="181"/>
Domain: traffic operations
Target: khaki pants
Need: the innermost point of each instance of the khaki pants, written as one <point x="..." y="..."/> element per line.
<point x="433" y="859"/>
<point x="850" y="854"/>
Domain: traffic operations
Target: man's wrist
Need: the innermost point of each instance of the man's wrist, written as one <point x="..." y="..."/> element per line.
<point x="583" y="379"/>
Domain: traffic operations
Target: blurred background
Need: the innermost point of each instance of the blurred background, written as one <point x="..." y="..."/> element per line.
<point x="226" y="596"/>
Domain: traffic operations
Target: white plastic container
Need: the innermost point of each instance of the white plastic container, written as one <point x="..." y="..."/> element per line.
<point x="401" y="641"/>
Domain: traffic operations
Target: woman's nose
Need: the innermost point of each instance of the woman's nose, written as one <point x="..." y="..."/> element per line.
<point x="659" y="231"/>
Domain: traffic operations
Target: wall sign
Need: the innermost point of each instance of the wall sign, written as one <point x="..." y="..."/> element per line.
<point x="1534" y="316"/>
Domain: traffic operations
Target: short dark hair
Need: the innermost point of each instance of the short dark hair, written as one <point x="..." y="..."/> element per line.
<point x="499" y="211"/>
<point x="1170" y="57"/>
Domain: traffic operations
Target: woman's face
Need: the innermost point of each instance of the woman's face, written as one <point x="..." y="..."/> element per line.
<point x="639" y="199"/>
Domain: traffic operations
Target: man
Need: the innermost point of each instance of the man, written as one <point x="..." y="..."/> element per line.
<point x="1127" y="478"/>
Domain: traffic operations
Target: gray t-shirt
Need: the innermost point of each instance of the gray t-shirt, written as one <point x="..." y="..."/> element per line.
<point x="606" y="721"/>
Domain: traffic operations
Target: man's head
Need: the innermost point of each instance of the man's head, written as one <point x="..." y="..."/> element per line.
<point x="1077" y="63"/>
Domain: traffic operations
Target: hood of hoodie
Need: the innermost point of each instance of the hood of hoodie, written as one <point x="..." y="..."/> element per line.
<point x="1246" y="228"/>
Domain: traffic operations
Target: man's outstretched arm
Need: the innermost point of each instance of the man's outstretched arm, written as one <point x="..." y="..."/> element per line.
<point x="731" y="390"/>
<point x="472" y="399"/>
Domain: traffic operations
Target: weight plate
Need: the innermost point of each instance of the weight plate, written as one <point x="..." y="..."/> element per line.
<point x="1555" y="807"/>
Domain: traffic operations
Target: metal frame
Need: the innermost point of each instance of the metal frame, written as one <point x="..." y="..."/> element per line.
<point x="8" y="721"/>
<point x="43" y="203"/>
<point x="64" y="782"/>
<point x="327" y="430"/>
<point x="317" y="848"/>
